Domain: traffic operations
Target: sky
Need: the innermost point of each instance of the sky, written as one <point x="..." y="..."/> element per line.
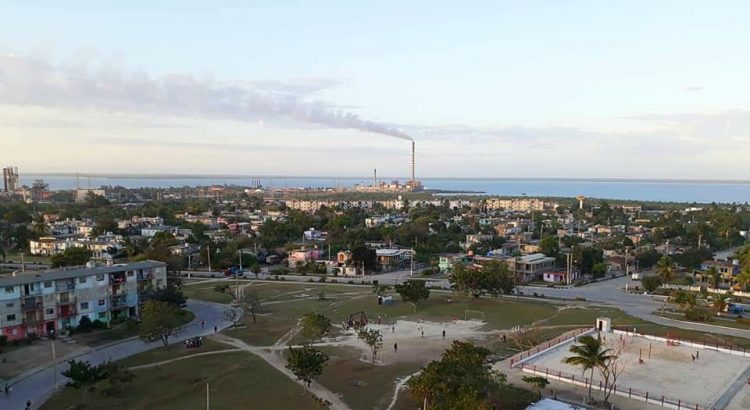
<point x="566" y="89"/>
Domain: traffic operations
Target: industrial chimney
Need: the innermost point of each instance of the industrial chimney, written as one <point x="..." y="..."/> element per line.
<point x="412" y="161"/>
<point x="375" y="177"/>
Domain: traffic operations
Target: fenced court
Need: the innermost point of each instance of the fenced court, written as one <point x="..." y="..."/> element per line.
<point x="667" y="372"/>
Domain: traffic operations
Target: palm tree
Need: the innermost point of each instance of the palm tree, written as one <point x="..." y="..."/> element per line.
<point x="743" y="279"/>
<point x="590" y="353"/>
<point x="665" y="268"/>
<point x="720" y="302"/>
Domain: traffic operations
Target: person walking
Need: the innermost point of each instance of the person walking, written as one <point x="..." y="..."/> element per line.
<point x="28" y="404"/>
<point x="443" y="334"/>
<point x="216" y="329"/>
<point x="422" y="334"/>
<point x="395" y="347"/>
<point x="203" y="324"/>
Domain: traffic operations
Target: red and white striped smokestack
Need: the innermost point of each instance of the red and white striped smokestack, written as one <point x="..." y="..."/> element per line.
<point x="412" y="161"/>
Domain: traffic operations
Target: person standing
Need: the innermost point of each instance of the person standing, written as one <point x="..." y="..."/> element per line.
<point x="443" y="334"/>
<point x="395" y="347"/>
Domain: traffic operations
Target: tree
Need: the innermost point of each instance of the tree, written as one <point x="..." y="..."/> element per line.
<point x="247" y="301"/>
<point x="380" y="290"/>
<point x="537" y="382"/>
<point x="720" y="301"/>
<point x="373" y="339"/>
<point x="363" y="255"/>
<point x="158" y="321"/>
<point x="306" y="363"/>
<point x="590" y="354"/>
<point x="74" y="256"/>
<point x="413" y="291"/>
<point x="685" y="299"/>
<point x="550" y="246"/>
<point x="170" y="294"/>
<point x="82" y="377"/>
<point x="612" y="370"/>
<point x="255" y="269"/>
<point x="493" y="278"/>
<point x="461" y="379"/>
<point x="714" y="277"/>
<point x="743" y="279"/>
<point x="315" y="326"/>
<point x="599" y="270"/>
<point x="651" y="283"/>
<point x="665" y="268"/>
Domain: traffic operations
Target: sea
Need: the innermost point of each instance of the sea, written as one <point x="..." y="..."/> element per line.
<point x="638" y="190"/>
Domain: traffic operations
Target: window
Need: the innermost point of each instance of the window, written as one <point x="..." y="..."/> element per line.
<point x="9" y="305"/>
<point x="84" y="305"/>
<point x="101" y="302"/>
<point x="48" y="284"/>
<point x="82" y="279"/>
<point x="130" y="274"/>
<point x="9" y="289"/>
<point x="10" y="318"/>
<point x="100" y="277"/>
<point x="50" y="311"/>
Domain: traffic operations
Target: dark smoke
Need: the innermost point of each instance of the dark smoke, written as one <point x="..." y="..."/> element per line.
<point x="29" y="81"/>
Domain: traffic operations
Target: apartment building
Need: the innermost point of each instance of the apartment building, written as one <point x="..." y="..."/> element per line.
<point x="54" y="300"/>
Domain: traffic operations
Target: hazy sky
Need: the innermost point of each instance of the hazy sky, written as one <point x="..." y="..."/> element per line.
<point x="486" y="88"/>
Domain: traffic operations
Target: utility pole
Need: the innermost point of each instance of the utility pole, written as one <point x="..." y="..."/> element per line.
<point x="54" y="364"/>
<point x="627" y="267"/>
<point x="208" y="253"/>
<point x="208" y="398"/>
<point x="189" y="260"/>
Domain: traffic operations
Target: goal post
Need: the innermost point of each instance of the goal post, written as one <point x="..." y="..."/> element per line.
<point x="474" y="315"/>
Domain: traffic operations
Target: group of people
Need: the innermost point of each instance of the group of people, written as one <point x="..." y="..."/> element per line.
<point x="9" y="389"/>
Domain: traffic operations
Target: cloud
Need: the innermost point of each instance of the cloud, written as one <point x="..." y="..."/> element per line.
<point x="37" y="82"/>
<point x="695" y="88"/>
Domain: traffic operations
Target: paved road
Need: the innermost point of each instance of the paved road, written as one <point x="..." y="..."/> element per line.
<point x="611" y="292"/>
<point x="38" y="387"/>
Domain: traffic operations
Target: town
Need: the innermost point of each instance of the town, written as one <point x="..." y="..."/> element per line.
<point x="328" y="279"/>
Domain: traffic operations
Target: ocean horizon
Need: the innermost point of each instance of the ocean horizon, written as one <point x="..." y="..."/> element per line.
<point x="663" y="190"/>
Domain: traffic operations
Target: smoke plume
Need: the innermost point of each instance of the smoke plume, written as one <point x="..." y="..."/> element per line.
<point x="31" y="81"/>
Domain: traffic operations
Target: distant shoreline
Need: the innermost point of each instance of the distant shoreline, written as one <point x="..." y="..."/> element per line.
<point x="368" y="178"/>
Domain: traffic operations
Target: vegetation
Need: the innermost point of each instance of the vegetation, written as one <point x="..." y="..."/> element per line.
<point x="461" y="379"/>
<point x="306" y="363"/>
<point x="651" y="283"/>
<point x="75" y="256"/>
<point x="493" y="278"/>
<point x="373" y="339"/>
<point x="413" y="291"/>
<point x="159" y="321"/>
<point x="589" y="354"/>
<point x="315" y="326"/>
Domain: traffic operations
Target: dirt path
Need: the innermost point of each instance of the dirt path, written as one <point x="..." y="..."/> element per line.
<point x="176" y="359"/>
<point x="274" y="358"/>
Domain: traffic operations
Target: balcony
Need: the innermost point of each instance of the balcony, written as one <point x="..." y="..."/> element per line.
<point x="31" y="305"/>
<point x="28" y="293"/>
<point x="66" y="300"/>
<point x="64" y="287"/>
<point x="119" y="302"/>
<point x="66" y="312"/>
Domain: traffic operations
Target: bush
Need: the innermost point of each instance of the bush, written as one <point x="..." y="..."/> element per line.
<point x="85" y="325"/>
<point x="650" y="283"/>
<point x="699" y="313"/>
<point x="3" y="340"/>
<point x="351" y="282"/>
<point x="322" y="279"/>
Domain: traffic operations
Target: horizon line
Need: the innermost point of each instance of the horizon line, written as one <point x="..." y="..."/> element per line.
<point x="384" y="178"/>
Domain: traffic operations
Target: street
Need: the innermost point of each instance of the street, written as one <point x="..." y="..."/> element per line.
<point x="38" y="386"/>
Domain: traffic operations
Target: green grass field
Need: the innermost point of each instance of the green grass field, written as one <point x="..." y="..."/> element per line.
<point x="237" y="381"/>
<point x="172" y="352"/>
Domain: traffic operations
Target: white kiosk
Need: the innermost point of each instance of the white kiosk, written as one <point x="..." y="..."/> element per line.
<point x="604" y="324"/>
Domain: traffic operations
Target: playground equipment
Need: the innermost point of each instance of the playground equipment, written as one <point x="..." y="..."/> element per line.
<point x="357" y="320"/>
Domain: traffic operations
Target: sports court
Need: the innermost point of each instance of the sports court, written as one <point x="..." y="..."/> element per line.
<point x="661" y="368"/>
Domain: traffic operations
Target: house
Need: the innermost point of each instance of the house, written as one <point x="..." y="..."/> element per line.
<point x="393" y="259"/>
<point x="559" y="276"/>
<point x="185" y="249"/>
<point x="531" y="266"/>
<point x="302" y="256"/>
<point x="448" y="260"/>
<point x="726" y="269"/>
<point x="51" y="301"/>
